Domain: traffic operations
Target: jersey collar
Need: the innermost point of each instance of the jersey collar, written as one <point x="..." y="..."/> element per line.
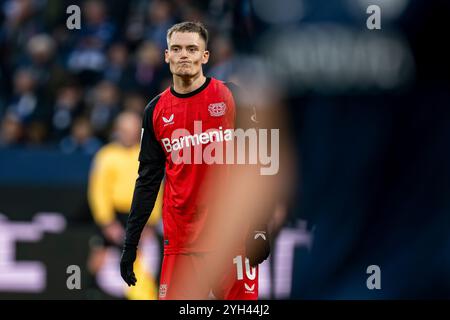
<point x="192" y="93"/>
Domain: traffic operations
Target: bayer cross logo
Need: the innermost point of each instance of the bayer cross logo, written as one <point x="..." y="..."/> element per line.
<point x="217" y="109"/>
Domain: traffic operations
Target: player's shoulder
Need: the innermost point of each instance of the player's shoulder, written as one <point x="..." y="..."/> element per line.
<point x="150" y="108"/>
<point x="153" y="102"/>
<point x="233" y="89"/>
<point x="225" y="85"/>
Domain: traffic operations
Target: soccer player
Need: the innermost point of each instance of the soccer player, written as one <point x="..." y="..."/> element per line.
<point x="170" y="129"/>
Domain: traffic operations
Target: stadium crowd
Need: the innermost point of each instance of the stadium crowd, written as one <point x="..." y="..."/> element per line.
<point x="62" y="88"/>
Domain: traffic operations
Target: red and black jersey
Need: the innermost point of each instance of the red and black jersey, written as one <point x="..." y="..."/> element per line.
<point x="176" y="124"/>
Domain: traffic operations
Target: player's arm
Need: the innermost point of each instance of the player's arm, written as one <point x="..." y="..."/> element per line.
<point x="258" y="239"/>
<point x="150" y="175"/>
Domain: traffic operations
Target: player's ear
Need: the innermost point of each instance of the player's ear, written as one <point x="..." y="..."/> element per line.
<point x="205" y="57"/>
<point x="166" y="56"/>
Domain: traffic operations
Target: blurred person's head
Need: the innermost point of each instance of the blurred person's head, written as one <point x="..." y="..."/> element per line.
<point x="94" y="11"/>
<point x="11" y="130"/>
<point x="106" y="94"/>
<point x="81" y="130"/>
<point x="36" y="133"/>
<point x="186" y="49"/>
<point x="222" y="49"/>
<point x="149" y="54"/>
<point x="19" y="11"/>
<point x="190" y="13"/>
<point x="159" y="12"/>
<point x="118" y="54"/>
<point x="41" y="48"/>
<point x="24" y="81"/>
<point x="127" y="129"/>
<point x="68" y="97"/>
<point x="134" y="102"/>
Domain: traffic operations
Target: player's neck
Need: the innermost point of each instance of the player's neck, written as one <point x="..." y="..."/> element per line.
<point x="187" y="85"/>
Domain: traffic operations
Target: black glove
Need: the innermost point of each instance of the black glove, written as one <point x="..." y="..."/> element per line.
<point x="126" y="264"/>
<point x="258" y="246"/>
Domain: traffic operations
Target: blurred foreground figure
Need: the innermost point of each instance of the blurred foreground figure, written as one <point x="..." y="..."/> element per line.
<point x="111" y="192"/>
<point x="369" y="120"/>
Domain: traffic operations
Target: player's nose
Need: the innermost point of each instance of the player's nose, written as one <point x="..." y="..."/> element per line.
<point x="183" y="54"/>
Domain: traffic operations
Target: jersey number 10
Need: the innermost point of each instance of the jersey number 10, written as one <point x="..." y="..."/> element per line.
<point x="250" y="272"/>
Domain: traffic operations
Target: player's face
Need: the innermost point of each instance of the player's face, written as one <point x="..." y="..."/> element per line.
<point x="186" y="54"/>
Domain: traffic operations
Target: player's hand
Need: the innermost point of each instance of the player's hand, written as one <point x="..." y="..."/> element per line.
<point x="126" y="265"/>
<point x="258" y="246"/>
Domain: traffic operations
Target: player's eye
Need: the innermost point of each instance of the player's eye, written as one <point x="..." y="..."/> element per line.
<point x="192" y="49"/>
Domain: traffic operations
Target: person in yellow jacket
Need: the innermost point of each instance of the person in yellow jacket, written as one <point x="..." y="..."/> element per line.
<point x="110" y="192"/>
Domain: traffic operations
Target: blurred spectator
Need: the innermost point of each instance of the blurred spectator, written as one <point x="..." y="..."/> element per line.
<point x="222" y="58"/>
<point x="41" y="59"/>
<point x="88" y="57"/>
<point x="20" y="24"/>
<point x="36" y="133"/>
<point x="25" y="103"/>
<point x="134" y="102"/>
<point x="43" y="62"/>
<point x="160" y="19"/>
<point x="190" y="12"/>
<point x="118" y="70"/>
<point x="220" y="15"/>
<point x="111" y="187"/>
<point x="110" y="193"/>
<point x="104" y="108"/>
<point x="134" y="29"/>
<point x="68" y="105"/>
<point x="81" y="139"/>
<point x="148" y="70"/>
<point x="117" y="12"/>
<point x="11" y="131"/>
